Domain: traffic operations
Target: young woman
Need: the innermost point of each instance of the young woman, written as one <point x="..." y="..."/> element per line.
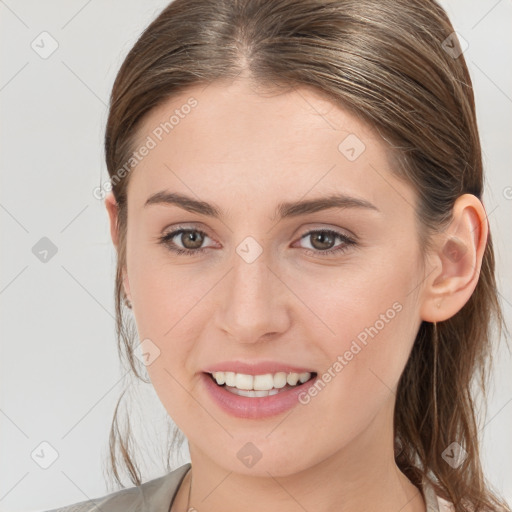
<point x="297" y="210"/>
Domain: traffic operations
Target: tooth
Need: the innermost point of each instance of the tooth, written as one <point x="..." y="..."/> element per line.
<point x="280" y="380"/>
<point x="263" y="382"/>
<point x="230" y="378"/>
<point x="303" y="377"/>
<point x="243" y="381"/>
<point x="292" y="378"/>
<point x="219" y="377"/>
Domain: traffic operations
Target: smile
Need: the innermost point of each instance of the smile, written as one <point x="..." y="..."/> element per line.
<point x="256" y="396"/>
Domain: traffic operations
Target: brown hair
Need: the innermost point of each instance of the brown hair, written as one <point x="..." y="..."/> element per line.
<point x="394" y="64"/>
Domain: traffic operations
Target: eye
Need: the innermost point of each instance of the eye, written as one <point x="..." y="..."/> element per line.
<point x="191" y="240"/>
<point x="322" y="242"/>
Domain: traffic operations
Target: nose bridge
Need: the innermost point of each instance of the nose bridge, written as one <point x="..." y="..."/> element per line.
<point x="252" y="306"/>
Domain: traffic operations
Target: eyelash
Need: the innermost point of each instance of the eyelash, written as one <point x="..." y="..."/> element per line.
<point x="167" y="241"/>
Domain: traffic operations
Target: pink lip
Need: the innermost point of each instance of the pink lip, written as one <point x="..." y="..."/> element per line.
<point x="258" y="407"/>
<point x="255" y="368"/>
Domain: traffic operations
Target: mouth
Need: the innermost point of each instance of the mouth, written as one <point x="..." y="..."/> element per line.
<point x="262" y="385"/>
<point x="256" y="389"/>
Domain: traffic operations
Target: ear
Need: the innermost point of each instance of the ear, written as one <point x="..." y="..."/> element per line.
<point x="456" y="261"/>
<point x="112" y="209"/>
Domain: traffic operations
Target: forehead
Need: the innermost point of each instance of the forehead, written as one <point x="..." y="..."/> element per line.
<point x="229" y="138"/>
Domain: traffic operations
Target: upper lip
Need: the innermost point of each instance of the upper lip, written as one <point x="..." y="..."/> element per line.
<point x="255" y="368"/>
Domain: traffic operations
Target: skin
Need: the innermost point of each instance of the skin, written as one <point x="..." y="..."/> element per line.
<point x="246" y="152"/>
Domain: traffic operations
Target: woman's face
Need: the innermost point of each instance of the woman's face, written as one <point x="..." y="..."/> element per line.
<point x="278" y="283"/>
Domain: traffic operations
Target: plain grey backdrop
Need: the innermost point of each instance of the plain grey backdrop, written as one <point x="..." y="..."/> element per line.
<point x="59" y="372"/>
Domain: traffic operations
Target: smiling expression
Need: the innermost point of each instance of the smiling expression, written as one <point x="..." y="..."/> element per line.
<point x="300" y="240"/>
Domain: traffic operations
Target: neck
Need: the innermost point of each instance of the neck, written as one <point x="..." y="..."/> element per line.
<point x="361" y="476"/>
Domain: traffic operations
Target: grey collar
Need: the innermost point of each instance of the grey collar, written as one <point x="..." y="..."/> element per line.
<point x="429" y="495"/>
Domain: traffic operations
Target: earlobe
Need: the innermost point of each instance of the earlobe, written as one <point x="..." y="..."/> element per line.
<point x="458" y="259"/>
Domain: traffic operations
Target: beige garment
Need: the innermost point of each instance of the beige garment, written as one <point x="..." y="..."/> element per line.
<point x="157" y="496"/>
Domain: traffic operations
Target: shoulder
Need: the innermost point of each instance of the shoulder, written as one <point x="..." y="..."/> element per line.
<point x="155" y="495"/>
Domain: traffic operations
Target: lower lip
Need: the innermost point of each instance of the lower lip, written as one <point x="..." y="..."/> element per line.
<point x="254" y="407"/>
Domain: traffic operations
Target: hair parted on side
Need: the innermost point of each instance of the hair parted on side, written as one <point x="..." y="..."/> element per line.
<point x="384" y="61"/>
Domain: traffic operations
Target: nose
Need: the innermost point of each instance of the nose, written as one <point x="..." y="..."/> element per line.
<point x="253" y="302"/>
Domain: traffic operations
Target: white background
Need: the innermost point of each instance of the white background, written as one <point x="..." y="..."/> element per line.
<point x="59" y="370"/>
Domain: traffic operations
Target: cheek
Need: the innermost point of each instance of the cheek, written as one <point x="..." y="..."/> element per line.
<point x="164" y="293"/>
<point x="366" y="321"/>
<point x="164" y="298"/>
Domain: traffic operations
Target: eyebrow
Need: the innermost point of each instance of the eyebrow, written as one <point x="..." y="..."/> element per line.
<point x="283" y="210"/>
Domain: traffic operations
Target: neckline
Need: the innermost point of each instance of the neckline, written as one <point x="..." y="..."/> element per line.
<point x="180" y="481"/>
